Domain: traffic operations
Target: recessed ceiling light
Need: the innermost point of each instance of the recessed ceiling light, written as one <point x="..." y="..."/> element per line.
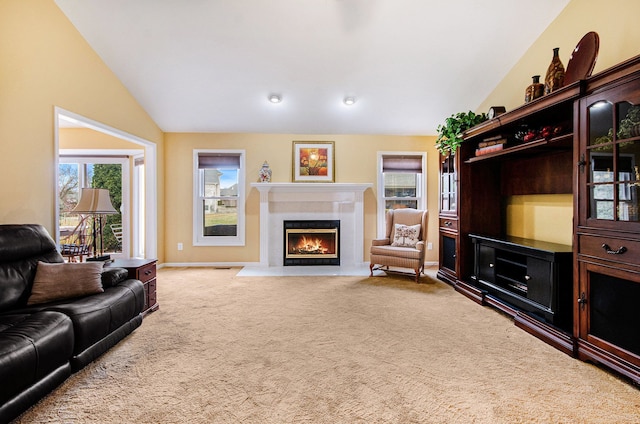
<point x="275" y="98"/>
<point x="349" y="101"/>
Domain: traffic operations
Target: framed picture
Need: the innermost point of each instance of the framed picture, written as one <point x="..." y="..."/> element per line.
<point x="313" y="161"/>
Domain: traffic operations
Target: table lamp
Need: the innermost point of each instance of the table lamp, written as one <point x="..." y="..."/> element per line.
<point x="96" y="202"/>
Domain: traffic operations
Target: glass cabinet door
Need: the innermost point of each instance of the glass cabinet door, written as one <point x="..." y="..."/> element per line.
<point x="448" y="193"/>
<point x="613" y="151"/>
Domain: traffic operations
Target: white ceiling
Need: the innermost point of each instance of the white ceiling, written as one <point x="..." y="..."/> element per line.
<point x="209" y="65"/>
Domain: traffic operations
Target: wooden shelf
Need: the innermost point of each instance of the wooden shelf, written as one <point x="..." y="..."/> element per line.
<point x="565" y="95"/>
<point x="562" y="142"/>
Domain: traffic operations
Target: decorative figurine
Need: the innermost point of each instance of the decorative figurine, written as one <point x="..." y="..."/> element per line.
<point x="265" y="173"/>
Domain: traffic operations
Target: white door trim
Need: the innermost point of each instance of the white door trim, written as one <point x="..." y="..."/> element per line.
<point x="150" y="151"/>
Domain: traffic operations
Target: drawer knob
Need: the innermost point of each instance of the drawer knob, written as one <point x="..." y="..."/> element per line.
<point x="610" y="251"/>
<point x="527" y="278"/>
<point x="447" y="223"/>
<point x="491" y="265"/>
<point x="147" y="272"/>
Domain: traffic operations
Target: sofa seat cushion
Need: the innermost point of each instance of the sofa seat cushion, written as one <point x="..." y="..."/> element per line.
<point x="31" y="347"/>
<point x="96" y="316"/>
<point x="399" y="252"/>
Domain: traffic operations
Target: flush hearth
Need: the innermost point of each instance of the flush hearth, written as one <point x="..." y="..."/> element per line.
<point x="311" y="242"/>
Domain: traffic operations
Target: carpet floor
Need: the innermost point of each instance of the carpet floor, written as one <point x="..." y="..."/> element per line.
<point x="230" y="349"/>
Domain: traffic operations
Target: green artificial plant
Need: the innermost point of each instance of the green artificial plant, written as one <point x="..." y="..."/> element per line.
<point x="450" y="133"/>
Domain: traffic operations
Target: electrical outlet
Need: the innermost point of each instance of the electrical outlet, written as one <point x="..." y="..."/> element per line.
<point x="180" y="246"/>
<point x="429" y="246"/>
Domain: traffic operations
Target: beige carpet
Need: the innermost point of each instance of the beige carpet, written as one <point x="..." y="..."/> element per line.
<point x="228" y="349"/>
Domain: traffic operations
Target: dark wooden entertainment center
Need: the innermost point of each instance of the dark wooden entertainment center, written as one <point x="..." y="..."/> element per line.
<point x="583" y="298"/>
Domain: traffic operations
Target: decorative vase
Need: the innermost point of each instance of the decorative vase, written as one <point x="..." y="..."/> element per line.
<point x="265" y="173"/>
<point x="535" y="90"/>
<point x="555" y="74"/>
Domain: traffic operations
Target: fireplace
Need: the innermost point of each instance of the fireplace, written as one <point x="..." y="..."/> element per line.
<point x="311" y="242"/>
<point x="306" y="201"/>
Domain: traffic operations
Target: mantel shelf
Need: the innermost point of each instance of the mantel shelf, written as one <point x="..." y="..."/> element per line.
<point x="311" y="187"/>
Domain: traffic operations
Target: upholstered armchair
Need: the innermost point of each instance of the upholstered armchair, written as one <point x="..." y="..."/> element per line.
<point x="403" y="246"/>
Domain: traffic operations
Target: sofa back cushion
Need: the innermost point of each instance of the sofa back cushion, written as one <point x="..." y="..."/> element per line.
<point x="21" y="247"/>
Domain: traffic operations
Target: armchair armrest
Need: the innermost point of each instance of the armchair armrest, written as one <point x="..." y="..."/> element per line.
<point x="380" y="242"/>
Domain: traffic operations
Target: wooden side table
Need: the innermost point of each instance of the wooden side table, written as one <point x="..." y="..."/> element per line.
<point x="145" y="271"/>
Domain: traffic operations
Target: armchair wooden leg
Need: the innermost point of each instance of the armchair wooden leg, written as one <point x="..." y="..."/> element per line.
<point x="371" y="270"/>
<point x="418" y="275"/>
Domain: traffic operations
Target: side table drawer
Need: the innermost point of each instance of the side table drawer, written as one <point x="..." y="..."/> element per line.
<point x="151" y="293"/>
<point x="147" y="272"/>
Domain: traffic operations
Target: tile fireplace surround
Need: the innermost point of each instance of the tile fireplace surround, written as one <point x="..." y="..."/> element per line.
<point x="310" y="201"/>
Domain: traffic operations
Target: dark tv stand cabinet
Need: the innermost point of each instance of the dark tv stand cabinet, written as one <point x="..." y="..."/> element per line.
<point x="529" y="276"/>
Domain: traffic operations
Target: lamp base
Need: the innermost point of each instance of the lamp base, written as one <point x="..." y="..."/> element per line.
<point x="102" y="258"/>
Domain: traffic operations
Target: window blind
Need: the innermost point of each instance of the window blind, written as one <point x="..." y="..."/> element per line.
<point x="409" y="164"/>
<point x="216" y="160"/>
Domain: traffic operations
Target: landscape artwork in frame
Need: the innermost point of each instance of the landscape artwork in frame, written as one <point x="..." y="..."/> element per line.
<point x="313" y="161"/>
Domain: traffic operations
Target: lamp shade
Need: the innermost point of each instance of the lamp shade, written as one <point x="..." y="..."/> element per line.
<point x="95" y="201"/>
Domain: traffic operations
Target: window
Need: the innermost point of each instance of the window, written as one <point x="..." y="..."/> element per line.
<point x="218" y="211"/>
<point x="401" y="183"/>
<point x="77" y="172"/>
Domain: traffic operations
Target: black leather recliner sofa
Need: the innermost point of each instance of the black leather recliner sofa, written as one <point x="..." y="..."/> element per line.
<point x="42" y="344"/>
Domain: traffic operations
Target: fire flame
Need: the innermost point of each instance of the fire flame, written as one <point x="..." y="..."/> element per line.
<point x="311" y="245"/>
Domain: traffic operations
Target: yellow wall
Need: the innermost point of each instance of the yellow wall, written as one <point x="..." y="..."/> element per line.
<point x="355" y="161"/>
<point x="549" y="218"/>
<point x="45" y="62"/>
<point x="539" y="217"/>
<point x="85" y="138"/>
<point x="616" y="23"/>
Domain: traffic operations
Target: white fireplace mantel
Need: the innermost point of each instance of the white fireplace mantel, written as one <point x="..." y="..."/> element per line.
<point x="299" y="201"/>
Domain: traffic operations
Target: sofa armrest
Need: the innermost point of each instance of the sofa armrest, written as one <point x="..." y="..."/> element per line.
<point x="380" y="242"/>
<point x="420" y="245"/>
<point x="112" y="276"/>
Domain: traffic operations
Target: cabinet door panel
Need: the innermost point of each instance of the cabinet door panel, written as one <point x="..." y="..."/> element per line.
<point x="609" y="314"/>
<point x="610" y="151"/>
<point x="448" y="252"/>
<point x="486" y="263"/>
<point x="539" y="281"/>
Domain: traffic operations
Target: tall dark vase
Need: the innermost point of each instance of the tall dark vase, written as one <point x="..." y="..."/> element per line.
<point x="535" y="90"/>
<point x="555" y="74"/>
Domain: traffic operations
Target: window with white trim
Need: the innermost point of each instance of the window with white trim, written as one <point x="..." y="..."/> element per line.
<point x="401" y="183"/>
<point x="219" y="196"/>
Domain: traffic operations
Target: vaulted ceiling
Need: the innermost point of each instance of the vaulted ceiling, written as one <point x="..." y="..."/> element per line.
<point x="210" y="65"/>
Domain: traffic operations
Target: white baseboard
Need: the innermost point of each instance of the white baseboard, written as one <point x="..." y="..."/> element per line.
<point x="234" y="264"/>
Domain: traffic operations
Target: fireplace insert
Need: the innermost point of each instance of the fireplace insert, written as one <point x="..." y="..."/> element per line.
<point x="311" y="242"/>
